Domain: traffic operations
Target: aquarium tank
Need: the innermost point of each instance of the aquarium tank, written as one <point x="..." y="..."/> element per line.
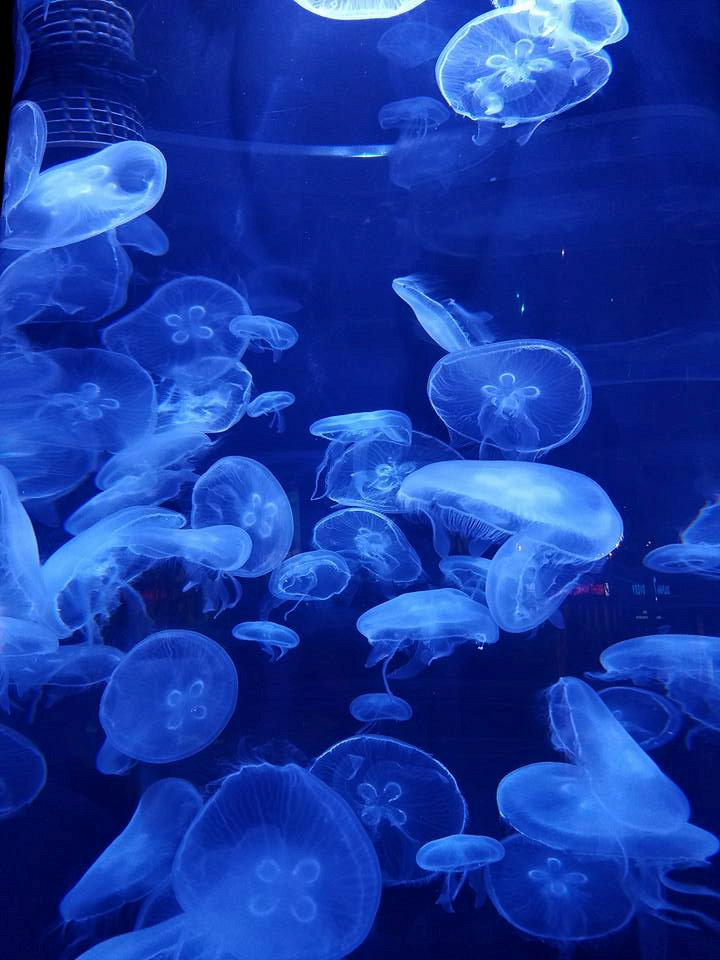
<point x="360" y="480"/>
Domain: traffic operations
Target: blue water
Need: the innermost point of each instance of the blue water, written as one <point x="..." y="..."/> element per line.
<point x="602" y="228"/>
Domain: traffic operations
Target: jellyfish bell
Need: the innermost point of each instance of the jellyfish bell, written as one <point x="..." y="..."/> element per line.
<point x="651" y="719"/>
<point x="524" y="397"/>
<point x="373" y="707"/>
<point x="660" y="657"/>
<point x="264" y="333"/>
<point x="392" y="425"/>
<point x="410" y="44"/>
<point x="272" y="404"/>
<point x="468" y="574"/>
<point x="692" y="559"/>
<point x="274" y="638"/>
<point x="705" y="528"/>
<point x="445" y="321"/>
<point x="358" y="9"/>
<point x="414" y="116"/>
<point x="27" y="138"/>
<point x="313" y="575"/>
<point x="456" y="857"/>
<point x="596" y="22"/>
<point x="23" y="771"/>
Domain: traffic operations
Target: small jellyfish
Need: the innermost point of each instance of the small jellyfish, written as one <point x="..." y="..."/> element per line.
<point x="370" y="541"/>
<point x="272" y="404"/>
<point x="212" y="395"/>
<point x="451" y="326"/>
<point x="27" y="136"/>
<point x="358" y="9"/>
<point x="556" y="895"/>
<point x="372" y="707"/>
<point x="264" y="333"/>
<point x="705" y="528"/>
<point x="410" y="44"/>
<point x="141" y="857"/>
<point x="22" y="771"/>
<point x="274" y="638"/>
<point x="171" y="696"/>
<point x="524" y="397"/>
<point x="692" y="559"/>
<point x="87" y="196"/>
<point x="414" y="117"/>
<point x="468" y="574"/>
<point x="402" y="796"/>
<point x="428" y="625"/>
<point x="243" y="493"/>
<point x="314" y="575"/>
<point x="349" y="428"/>
<point x="649" y="718"/>
<point x="457" y="856"/>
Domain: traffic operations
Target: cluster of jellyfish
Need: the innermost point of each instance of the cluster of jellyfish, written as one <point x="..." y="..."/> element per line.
<point x="284" y="861"/>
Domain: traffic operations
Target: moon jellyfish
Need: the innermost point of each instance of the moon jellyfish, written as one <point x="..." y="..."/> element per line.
<point x="183" y="322"/>
<point x="223" y="547"/>
<point x="264" y="333"/>
<point x="369" y="541"/>
<point x="141" y="857"/>
<point x="242" y="492"/>
<point x="649" y="718"/>
<point x="705" y="528"/>
<point x="558" y="524"/>
<point x="24" y="636"/>
<point x="523" y="397"/>
<point x="428" y="625"/>
<point x="212" y="396"/>
<point x="27" y="137"/>
<point x="274" y="638"/>
<point x="556" y="895"/>
<point x="693" y="559"/>
<point x="498" y="68"/>
<point x="414" y="117"/>
<point x="468" y="574"/>
<point x="175" y="448"/>
<point x="314" y="575"/>
<point x="87" y="196"/>
<point x="358" y="9"/>
<point x="68" y="669"/>
<point x="403" y="797"/>
<point x="456" y="857"/>
<point x="146" y="490"/>
<point x="272" y="404"/>
<point x="596" y="22"/>
<point x="369" y="473"/>
<point x="410" y="44"/>
<point x="372" y="707"/>
<point x="22" y="771"/>
<point x="170" y="697"/>
<point x="451" y="326"/>
<point x="347" y="428"/>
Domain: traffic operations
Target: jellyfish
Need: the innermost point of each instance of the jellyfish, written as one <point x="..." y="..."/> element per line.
<point x="27" y="137"/>
<point x="693" y="559"/>
<point x="697" y="697"/>
<point x="468" y="574"/>
<point x="23" y="771"/>
<point x="369" y="473"/>
<point x="314" y="575"/>
<point x="223" y="547"/>
<point x="414" y="117"/>
<point x="242" y="492"/>
<point x="146" y="490"/>
<point x="369" y="541"/>
<point x="595" y="22"/>
<point x="498" y="68"/>
<point x="524" y="397"/>
<point x="558" y="523"/>
<point x="456" y="857"/>
<point x="435" y="163"/>
<point x="185" y="321"/>
<point x="411" y="44"/>
<point x="705" y="528"/>
<point x="401" y="795"/>
<point x="556" y="895"/>
<point x="24" y="636"/>
<point x="428" y="625"/>
<point x="358" y="9"/>
<point x="372" y="707"/>
<point x="650" y="719"/>
<point x="212" y="396"/>
<point x="87" y="196"/>
<point x="170" y="697"/>
<point x="274" y="638"/>
<point x="264" y="333"/>
<point x="451" y="326"/>
<point x="662" y="658"/>
<point x="145" y="235"/>
<point x="272" y="404"/>
<point x="175" y="448"/>
<point x="141" y="857"/>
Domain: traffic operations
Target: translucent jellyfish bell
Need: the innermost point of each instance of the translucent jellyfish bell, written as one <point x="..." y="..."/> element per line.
<point x="358" y="9"/>
<point x="409" y="44"/>
<point x="414" y="117"/>
<point x="468" y="574"/>
<point x="274" y="638"/>
<point x="692" y="559"/>
<point x="499" y="68"/>
<point x="661" y="657"/>
<point x="264" y="333"/>
<point x="272" y="404"/>
<point x="346" y="428"/>
<point x="521" y="396"/>
<point x="242" y="492"/>
<point x="22" y="771"/>
<point x="428" y="624"/>
<point x="650" y="719"/>
<point x="170" y="697"/>
<point x="705" y="528"/>
<point x="372" y="707"/>
<point x="445" y="321"/>
<point x="141" y="857"/>
<point x="82" y="198"/>
<point x="313" y="575"/>
<point x="457" y="856"/>
<point x="402" y="796"/>
<point x="27" y="136"/>
<point x="370" y="541"/>
<point x="556" y="895"/>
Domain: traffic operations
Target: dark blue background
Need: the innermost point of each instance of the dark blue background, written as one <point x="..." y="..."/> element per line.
<point x="627" y="185"/>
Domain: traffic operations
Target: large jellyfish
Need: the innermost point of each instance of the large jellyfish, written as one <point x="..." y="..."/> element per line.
<point x="242" y="492"/>
<point x="456" y="857"/>
<point x="275" y="866"/>
<point x="274" y="638"/>
<point x="141" y="857"/>
<point x="22" y="771"/>
<point x="170" y="697"/>
<point x="313" y="575"/>
<point x="402" y="796"/>
<point x="359" y="9"/>
<point x="693" y="559"/>
<point x="650" y="719"/>
<point x="524" y="397"/>
<point x="87" y="196"/>
<point x="558" y="524"/>
<point x="451" y="326"/>
<point x="500" y="68"/>
<point x="369" y="541"/>
<point x="428" y="625"/>
<point x="556" y="895"/>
